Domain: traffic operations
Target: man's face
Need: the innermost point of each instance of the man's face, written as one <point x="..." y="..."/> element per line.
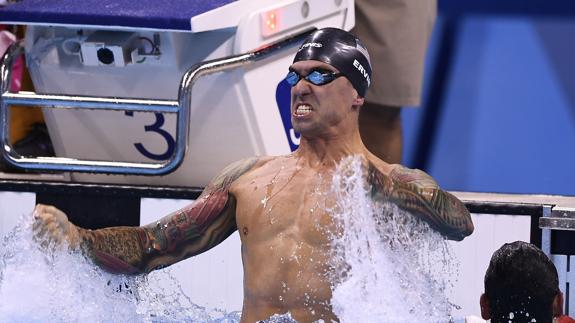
<point x="321" y="109"/>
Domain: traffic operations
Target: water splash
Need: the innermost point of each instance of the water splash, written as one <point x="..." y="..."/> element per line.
<point x="389" y="266"/>
<point x="39" y="284"/>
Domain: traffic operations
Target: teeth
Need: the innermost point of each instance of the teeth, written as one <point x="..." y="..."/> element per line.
<point x="303" y="109"/>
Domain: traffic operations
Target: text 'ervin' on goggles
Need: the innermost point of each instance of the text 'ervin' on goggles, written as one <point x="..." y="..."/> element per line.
<point x="315" y="77"/>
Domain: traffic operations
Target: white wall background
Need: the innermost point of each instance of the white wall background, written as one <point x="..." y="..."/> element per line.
<point x="13" y="206"/>
<point x="474" y="253"/>
<point x="213" y="279"/>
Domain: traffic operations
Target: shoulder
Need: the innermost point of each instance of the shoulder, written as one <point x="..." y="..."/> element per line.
<point x="383" y="173"/>
<point x="417" y="177"/>
<point x="236" y="169"/>
<point x="398" y="172"/>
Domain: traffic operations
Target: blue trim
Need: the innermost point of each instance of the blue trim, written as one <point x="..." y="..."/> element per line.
<point x="163" y="15"/>
<point x="507" y="7"/>
<point x="283" y="100"/>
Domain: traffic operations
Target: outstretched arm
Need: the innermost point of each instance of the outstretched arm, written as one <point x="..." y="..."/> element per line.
<point x="182" y="234"/>
<point x="416" y="192"/>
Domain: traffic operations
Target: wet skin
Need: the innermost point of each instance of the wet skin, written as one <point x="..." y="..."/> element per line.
<point x="276" y="205"/>
<point x="285" y="241"/>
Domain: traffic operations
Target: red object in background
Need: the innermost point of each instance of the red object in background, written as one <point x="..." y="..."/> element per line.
<point x="6" y="39"/>
<point x="17" y="71"/>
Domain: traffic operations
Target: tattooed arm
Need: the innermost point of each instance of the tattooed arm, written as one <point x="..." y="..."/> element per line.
<point x="416" y="192"/>
<point x="182" y="234"/>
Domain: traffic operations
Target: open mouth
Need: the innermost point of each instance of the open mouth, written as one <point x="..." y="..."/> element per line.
<point x="302" y="110"/>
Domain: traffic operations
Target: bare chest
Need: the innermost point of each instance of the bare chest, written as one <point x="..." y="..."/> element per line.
<point x="291" y="203"/>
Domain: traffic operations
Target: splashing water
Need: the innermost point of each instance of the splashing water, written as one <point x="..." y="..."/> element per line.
<point x="390" y="266"/>
<point x="54" y="285"/>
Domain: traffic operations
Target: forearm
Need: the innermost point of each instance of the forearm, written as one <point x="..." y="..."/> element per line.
<point x="118" y="249"/>
<point x="441" y="210"/>
<point x="455" y="216"/>
<point x="415" y="192"/>
<point x="182" y="234"/>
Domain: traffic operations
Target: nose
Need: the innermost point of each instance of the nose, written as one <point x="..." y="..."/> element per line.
<point x="301" y="88"/>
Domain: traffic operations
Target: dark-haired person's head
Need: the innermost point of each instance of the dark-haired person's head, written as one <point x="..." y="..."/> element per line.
<point x="521" y="285"/>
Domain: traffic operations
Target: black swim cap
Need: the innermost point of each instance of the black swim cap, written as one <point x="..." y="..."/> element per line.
<point x="341" y="50"/>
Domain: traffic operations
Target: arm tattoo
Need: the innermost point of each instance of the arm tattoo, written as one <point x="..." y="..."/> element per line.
<point x="416" y="192"/>
<point x="184" y="233"/>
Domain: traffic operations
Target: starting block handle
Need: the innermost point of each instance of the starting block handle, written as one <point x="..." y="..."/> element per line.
<point x="181" y="107"/>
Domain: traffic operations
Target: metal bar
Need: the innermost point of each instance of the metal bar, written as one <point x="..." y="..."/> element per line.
<point x="560" y="218"/>
<point x="79" y="102"/>
<point x="563" y="212"/>
<point x="41" y="186"/>
<point x="87" y="102"/>
<point x="557" y="223"/>
<point x="545" y="232"/>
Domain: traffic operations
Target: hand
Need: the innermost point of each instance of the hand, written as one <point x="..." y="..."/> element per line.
<point x="51" y="226"/>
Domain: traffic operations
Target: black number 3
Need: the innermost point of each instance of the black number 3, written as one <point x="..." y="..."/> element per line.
<point x="157" y="128"/>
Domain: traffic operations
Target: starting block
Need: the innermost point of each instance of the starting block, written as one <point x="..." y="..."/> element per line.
<point x="177" y="89"/>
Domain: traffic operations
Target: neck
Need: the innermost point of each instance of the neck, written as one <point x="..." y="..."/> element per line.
<point x="329" y="150"/>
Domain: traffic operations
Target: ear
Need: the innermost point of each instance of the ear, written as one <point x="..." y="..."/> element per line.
<point x="358" y="100"/>
<point x="484" y="304"/>
<point x="558" y="305"/>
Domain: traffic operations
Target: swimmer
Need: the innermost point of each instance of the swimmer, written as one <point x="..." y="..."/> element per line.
<point x="273" y="202"/>
<point x="522" y="285"/>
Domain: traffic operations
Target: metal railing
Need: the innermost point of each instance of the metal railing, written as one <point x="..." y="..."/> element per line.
<point x="181" y="107"/>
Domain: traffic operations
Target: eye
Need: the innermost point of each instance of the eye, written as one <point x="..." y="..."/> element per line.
<point x="292" y="78"/>
<point x="316" y="78"/>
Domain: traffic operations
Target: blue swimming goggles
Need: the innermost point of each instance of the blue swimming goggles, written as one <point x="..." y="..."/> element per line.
<point x="315" y="77"/>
